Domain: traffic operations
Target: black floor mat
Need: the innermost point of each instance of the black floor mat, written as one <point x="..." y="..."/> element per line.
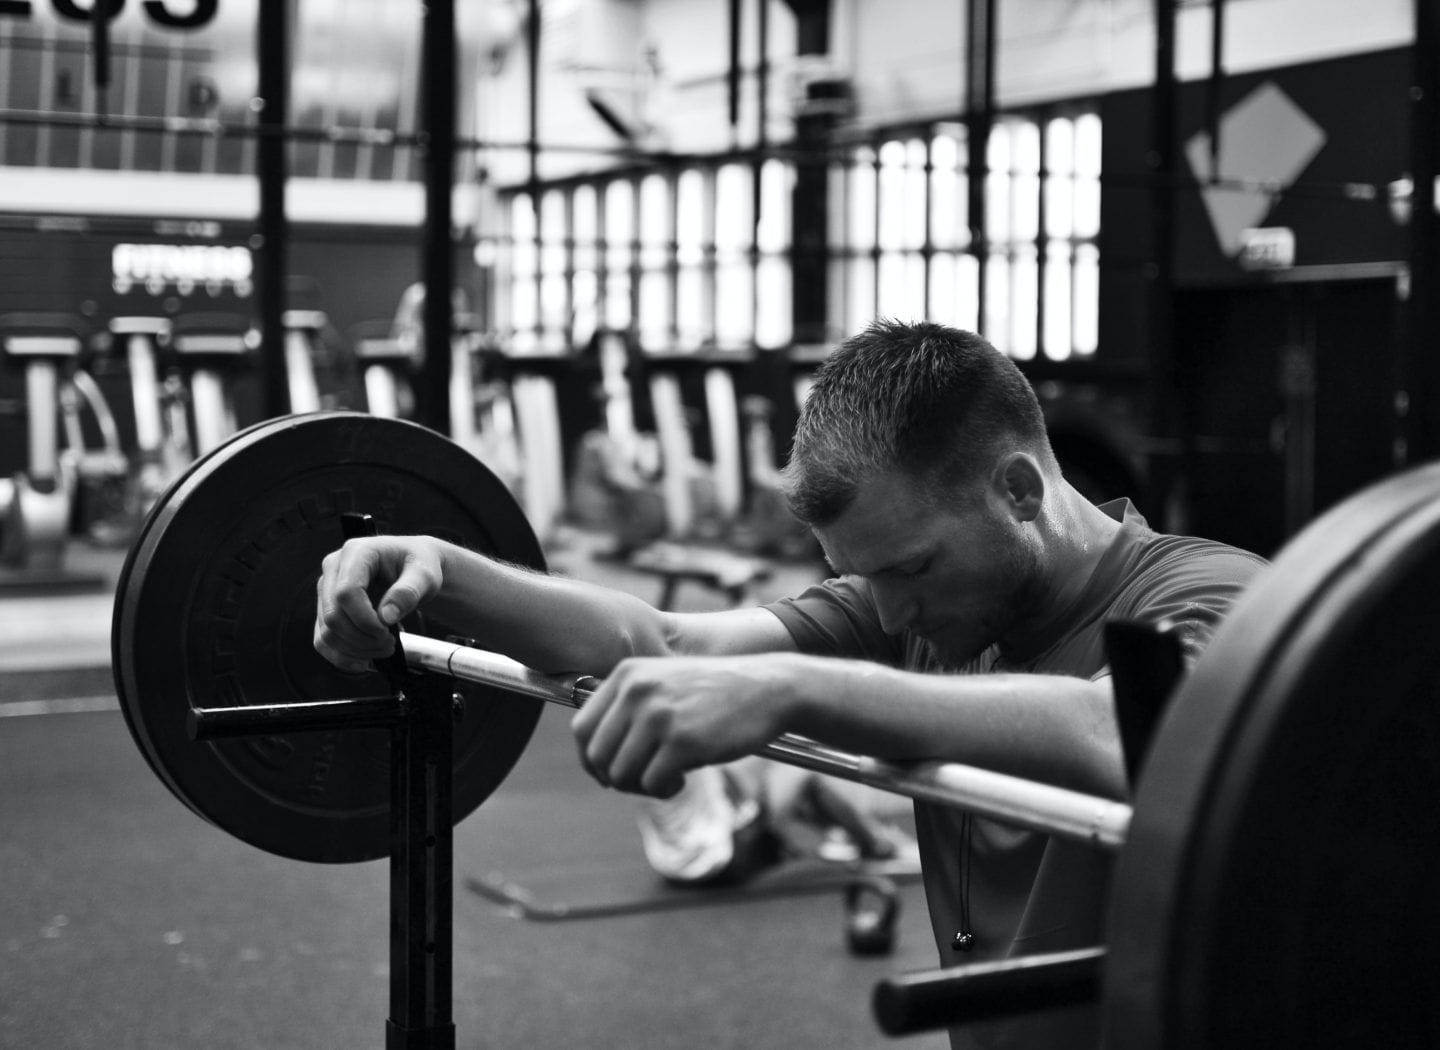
<point x="627" y="888"/>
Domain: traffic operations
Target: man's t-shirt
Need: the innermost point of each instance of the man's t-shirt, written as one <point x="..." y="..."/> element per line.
<point x="1028" y="893"/>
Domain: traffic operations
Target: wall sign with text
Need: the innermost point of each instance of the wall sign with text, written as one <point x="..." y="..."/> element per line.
<point x="172" y="14"/>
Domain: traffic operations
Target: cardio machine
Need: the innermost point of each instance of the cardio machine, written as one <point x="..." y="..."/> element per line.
<point x="38" y="504"/>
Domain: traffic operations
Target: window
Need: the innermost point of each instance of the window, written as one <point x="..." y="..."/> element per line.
<point x="585" y="265"/>
<point x="657" y="252"/>
<point x="694" y="259"/>
<point x="900" y="231"/>
<point x="734" y="235"/>
<point x="772" y="245"/>
<point x="554" y="271"/>
<point x="852" y="246"/>
<point x="619" y="241"/>
<point x="954" y="278"/>
<point x="524" y="314"/>
<point x="681" y="258"/>
<point x="903" y="242"/>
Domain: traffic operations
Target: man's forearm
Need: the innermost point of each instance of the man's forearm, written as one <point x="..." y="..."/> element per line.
<point x="1052" y="728"/>
<point x="551" y="623"/>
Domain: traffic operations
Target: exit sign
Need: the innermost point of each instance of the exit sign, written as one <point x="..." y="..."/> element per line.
<point x="1267" y="248"/>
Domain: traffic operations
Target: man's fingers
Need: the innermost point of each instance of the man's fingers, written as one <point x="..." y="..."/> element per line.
<point x="349" y="631"/>
<point x="631" y="759"/>
<point x="403" y="596"/>
<point x="585" y="721"/>
<point x="600" y="725"/>
<point x="601" y="728"/>
<point x="356" y="567"/>
<point x="334" y="637"/>
<point x="664" y="775"/>
<point x="621" y="750"/>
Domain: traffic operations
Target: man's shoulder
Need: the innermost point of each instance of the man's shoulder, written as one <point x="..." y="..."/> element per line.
<point x="1186" y="581"/>
<point x="1195" y="558"/>
<point x="1151" y="549"/>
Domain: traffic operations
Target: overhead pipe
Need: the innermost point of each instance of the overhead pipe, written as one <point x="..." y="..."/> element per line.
<point x="438" y="88"/>
<point x="271" y="167"/>
<point x="979" y="110"/>
<point x="1165" y="418"/>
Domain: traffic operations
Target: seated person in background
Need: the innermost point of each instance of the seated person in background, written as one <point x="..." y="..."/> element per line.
<point x="964" y="623"/>
<point x="728" y="822"/>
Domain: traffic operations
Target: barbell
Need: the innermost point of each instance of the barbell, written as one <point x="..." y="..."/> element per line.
<point x="1276" y="872"/>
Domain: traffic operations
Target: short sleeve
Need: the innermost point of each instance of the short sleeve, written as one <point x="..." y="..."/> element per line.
<point x="838" y="618"/>
<point x="1191" y="590"/>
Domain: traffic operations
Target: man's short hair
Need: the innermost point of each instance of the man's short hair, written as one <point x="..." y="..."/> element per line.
<point x="935" y="403"/>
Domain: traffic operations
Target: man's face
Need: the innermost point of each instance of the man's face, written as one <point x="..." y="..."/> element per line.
<point x="959" y="574"/>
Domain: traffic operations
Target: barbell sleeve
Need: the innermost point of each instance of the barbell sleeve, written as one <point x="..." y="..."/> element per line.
<point x="1013" y="800"/>
<point x="987" y="991"/>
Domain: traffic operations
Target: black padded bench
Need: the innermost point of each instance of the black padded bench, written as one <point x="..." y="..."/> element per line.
<point x="677" y="563"/>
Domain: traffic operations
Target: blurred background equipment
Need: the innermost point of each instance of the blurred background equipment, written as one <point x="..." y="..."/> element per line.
<point x="210" y="354"/>
<point x="54" y="494"/>
<point x="1181" y="257"/>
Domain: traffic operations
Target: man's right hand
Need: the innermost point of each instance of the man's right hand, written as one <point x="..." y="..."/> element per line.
<point x="365" y="587"/>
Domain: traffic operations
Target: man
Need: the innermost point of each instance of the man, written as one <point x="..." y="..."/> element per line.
<point x="965" y="623"/>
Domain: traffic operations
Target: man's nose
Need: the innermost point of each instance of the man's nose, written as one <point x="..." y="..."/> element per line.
<point x="896" y="604"/>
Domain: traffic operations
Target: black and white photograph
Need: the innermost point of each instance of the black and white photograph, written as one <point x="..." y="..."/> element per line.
<point x="742" y="524"/>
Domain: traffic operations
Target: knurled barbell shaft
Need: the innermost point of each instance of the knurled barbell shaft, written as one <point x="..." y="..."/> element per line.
<point x="1014" y="800"/>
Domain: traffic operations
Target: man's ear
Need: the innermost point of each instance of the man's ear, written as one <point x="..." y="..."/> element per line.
<point x="1020" y="482"/>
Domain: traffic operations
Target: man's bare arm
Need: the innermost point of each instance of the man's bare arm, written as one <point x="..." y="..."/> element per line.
<point x="1057" y="729"/>
<point x="652" y="720"/>
<point x="551" y="623"/>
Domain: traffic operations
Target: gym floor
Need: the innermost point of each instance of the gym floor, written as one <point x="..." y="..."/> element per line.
<point x="127" y="921"/>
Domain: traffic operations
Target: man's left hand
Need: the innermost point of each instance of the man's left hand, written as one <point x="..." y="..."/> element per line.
<point x="653" y="718"/>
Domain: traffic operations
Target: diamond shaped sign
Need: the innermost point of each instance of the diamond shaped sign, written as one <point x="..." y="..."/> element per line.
<point x="1264" y="138"/>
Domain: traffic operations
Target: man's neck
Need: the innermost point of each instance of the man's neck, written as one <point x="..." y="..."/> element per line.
<point x="1076" y="535"/>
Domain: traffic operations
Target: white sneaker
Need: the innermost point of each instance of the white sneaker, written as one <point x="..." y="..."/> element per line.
<point x="691" y="836"/>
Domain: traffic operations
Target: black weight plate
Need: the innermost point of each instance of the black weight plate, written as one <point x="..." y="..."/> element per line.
<point x="115" y="637"/>
<point x="1278" y="885"/>
<point x="216" y="606"/>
